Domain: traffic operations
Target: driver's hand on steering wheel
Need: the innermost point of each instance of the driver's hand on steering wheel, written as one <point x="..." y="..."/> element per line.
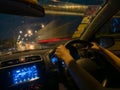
<point x="96" y="46"/>
<point x="63" y="53"/>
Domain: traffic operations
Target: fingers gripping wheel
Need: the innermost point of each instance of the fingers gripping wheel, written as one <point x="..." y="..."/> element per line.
<point x="70" y="45"/>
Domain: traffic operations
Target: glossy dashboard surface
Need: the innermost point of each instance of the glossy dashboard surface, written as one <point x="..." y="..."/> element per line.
<point x="26" y="70"/>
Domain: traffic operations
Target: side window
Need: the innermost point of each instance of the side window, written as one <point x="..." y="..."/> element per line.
<point x="112" y="29"/>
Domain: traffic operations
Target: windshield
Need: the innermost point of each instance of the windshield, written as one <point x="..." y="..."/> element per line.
<point x="64" y="20"/>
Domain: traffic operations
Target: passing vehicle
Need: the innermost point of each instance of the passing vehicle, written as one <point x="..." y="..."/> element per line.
<point x="30" y="31"/>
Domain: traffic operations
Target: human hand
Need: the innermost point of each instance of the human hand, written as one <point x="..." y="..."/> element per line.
<point x="96" y="46"/>
<point x="63" y="53"/>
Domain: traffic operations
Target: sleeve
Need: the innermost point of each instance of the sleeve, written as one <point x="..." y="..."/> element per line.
<point x="83" y="79"/>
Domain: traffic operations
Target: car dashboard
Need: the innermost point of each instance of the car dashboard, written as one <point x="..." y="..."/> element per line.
<point x="27" y="71"/>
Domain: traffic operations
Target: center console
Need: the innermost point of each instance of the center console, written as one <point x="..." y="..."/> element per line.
<point x="25" y="76"/>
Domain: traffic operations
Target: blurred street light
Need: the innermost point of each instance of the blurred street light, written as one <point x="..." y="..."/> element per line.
<point x="29" y="32"/>
<point x="19" y="42"/>
<point x="25" y="35"/>
<point x="36" y="31"/>
<point x="22" y="39"/>
<point x="42" y="25"/>
<point x="19" y="37"/>
<point x="20" y="32"/>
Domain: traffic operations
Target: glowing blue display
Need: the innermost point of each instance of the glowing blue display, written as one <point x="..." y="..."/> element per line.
<point x="54" y="60"/>
<point x="25" y="74"/>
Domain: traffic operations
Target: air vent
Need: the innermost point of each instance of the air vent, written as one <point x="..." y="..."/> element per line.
<point x="32" y="58"/>
<point x="18" y="61"/>
<point x="9" y="62"/>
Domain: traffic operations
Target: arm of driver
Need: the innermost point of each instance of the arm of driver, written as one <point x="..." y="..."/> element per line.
<point x="115" y="61"/>
<point x="83" y="79"/>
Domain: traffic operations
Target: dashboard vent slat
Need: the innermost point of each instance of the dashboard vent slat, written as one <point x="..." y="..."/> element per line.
<point x="32" y="58"/>
<point x="17" y="61"/>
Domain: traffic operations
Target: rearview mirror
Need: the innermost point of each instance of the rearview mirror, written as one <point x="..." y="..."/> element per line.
<point x="21" y="7"/>
<point x="106" y="41"/>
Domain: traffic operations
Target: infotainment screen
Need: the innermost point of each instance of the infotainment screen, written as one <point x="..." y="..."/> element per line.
<point x="24" y="74"/>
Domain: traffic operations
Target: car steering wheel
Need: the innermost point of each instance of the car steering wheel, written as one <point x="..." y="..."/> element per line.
<point x="73" y="51"/>
<point x="71" y="46"/>
<point x="83" y="42"/>
<point x="102" y="65"/>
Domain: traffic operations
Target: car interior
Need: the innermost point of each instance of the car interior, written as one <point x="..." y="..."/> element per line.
<point x="41" y="69"/>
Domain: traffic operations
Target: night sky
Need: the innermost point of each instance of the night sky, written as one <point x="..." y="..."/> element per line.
<point x="10" y="25"/>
